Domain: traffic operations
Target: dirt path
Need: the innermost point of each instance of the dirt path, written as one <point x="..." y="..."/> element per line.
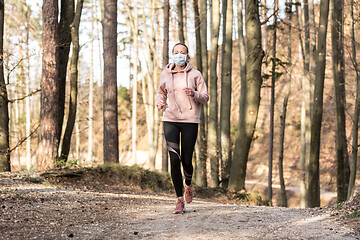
<point x="38" y="211"/>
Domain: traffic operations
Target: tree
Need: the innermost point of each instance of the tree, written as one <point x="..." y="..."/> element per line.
<point x="73" y="82"/>
<point x="272" y="105"/>
<point x="213" y="148"/>
<point x="282" y="201"/>
<point x="226" y="91"/>
<point x="165" y="161"/>
<point x="355" y="131"/>
<point x="247" y="124"/>
<point x="338" y="63"/>
<point x="179" y="6"/>
<point x="135" y="79"/>
<point x="49" y="128"/>
<point x="306" y="98"/>
<point x="111" y="142"/>
<point x="62" y="57"/>
<point x="91" y="87"/>
<point x="4" y="112"/>
<point x="202" y="139"/>
<point x="313" y="183"/>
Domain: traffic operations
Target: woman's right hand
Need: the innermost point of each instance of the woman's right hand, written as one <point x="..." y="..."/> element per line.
<point x="160" y="104"/>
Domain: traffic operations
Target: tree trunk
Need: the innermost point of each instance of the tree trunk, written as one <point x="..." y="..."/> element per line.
<point x="337" y="30"/>
<point x="272" y="106"/>
<point x="225" y="108"/>
<point x="91" y="86"/>
<point x="111" y="145"/>
<point x="49" y="113"/>
<point x="255" y="55"/>
<point x="179" y="6"/>
<point x="305" y="102"/>
<point x="202" y="139"/>
<point x="165" y="161"/>
<point x="313" y="189"/>
<point x="242" y="57"/>
<point x="73" y="82"/>
<point x="282" y="201"/>
<point x="355" y="130"/>
<point x="62" y="57"/>
<point x="213" y="147"/>
<point x="135" y="79"/>
<point x="4" y="112"/>
<point x="28" y="83"/>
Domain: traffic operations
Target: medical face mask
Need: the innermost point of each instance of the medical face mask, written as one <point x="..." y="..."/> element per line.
<point x="179" y="59"/>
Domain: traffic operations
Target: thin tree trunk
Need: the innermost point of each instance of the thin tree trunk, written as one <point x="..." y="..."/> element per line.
<point x="202" y="137"/>
<point x="4" y="112"/>
<point x="179" y="6"/>
<point x="165" y="161"/>
<point x="111" y="146"/>
<point x="225" y="108"/>
<point x="73" y="82"/>
<point x="134" y="93"/>
<point x="28" y="83"/>
<point x="305" y="102"/>
<point x="213" y="137"/>
<point x="91" y="90"/>
<point x="313" y="190"/>
<point x="355" y="130"/>
<point x="337" y="30"/>
<point x="255" y="55"/>
<point x="62" y="57"/>
<point x="49" y="113"/>
<point x="242" y="57"/>
<point x="272" y="106"/>
<point x="283" y="198"/>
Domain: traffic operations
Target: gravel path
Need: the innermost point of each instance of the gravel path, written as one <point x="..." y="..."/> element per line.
<point x="40" y="211"/>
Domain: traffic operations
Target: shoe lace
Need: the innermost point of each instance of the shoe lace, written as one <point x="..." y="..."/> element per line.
<point x="188" y="190"/>
<point x="179" y="204"/>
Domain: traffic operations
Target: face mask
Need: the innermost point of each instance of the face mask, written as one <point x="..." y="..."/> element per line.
<point x="179" y="59"/>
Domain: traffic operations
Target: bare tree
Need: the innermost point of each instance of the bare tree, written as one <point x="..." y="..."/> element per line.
<point x="226" y="75"/>
<point x="283" y="198"/>
<point x="179" y="6"/>
<point x="213" y="137"/>
<point x="313" y="189"/>
<point x="73" y="82"/>
<point x="165" y="161"/>
<point x="4" y="114"/>
<point x="355" y="131"/>
<point x="338" y="63"/>
<point x="272" y="104"/>
<point x="111" y="142"/>
<point x="251" y="104"/>
<point x="49" y="128"/>
<point x="62" y="57"/>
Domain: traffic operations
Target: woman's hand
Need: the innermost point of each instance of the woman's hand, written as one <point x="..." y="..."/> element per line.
<point x="160" y="104"/>
<point x="189" y="91"/>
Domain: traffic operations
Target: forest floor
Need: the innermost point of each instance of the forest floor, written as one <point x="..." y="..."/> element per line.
<point x="70" y="205"/>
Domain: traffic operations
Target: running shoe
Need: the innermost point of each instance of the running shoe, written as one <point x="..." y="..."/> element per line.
<point x="180" y="206"/>
<point x="188" y="193"/>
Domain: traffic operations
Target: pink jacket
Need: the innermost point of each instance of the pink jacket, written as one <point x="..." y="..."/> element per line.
<point x="178" y="106"/>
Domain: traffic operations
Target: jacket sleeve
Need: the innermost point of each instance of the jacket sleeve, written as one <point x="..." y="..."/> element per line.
<point x="201" y="93"/>
<point x="162" y="92"/>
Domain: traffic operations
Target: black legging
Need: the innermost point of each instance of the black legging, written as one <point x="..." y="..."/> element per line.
<point x="188" y="132"/>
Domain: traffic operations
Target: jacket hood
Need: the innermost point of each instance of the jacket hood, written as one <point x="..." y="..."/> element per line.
<point x="170" y="68"/>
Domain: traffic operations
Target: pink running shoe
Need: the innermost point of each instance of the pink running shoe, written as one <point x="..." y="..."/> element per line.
<point x="188" y="193"/>
<point x="180" y="206"/>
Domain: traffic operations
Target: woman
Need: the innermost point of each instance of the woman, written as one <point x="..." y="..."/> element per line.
<point x="181" y="93"/>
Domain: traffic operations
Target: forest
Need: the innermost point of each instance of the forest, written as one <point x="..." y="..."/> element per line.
<point x="78" y="81"/>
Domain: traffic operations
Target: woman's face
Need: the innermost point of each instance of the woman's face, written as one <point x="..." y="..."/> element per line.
<point x="180" y="49"/>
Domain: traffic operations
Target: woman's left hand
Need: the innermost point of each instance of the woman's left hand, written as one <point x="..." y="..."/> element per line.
<point x="189" y="91"/>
